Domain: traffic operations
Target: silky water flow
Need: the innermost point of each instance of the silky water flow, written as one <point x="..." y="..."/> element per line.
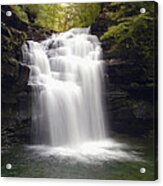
<point x="66" y="76"/>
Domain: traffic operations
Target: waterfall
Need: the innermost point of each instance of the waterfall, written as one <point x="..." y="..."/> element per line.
<point x="66" y="79"/>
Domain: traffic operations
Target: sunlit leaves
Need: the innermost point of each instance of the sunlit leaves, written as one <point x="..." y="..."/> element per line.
<point x="59" y="17"/>
<point x="21" y="14"/>
<point x="129" y="27"/>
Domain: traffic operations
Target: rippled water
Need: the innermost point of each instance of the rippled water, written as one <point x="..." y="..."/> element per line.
<point x="90" y="161"/>
<point x="96" y="152"/>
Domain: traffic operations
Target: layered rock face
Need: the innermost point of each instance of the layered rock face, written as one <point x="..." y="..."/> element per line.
<point x="130" y="86"/>
<point x="16" y="95"/>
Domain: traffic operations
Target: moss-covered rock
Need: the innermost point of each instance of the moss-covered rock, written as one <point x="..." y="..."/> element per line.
<point x="16" y="95"/>
<point x="129" y="74"/>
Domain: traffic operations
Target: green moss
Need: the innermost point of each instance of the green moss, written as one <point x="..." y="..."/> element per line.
<point x="135" y="85"/>
<point x="12" y="41"/>
<point x="131" y="31"/>
<point x="20" y="13"/>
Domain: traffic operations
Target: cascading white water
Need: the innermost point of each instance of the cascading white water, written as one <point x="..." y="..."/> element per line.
<point x="66" y="76"/>
<point x="67" y="112"/>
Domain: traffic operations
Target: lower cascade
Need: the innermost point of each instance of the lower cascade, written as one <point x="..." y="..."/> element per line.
<point x="66" y="78"/>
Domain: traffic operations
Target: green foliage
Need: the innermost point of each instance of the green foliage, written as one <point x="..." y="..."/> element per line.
<point x="130" y="28"/>
<point x="85" y="14"/>
<point x="127" y="28"/>
<point x="59" y="17"/>
<point x="21" y="14"/>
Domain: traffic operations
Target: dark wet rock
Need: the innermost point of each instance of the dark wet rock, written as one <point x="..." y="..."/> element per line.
<point x="15" y="95"/>
<point x="129" y="84"/>
<point x="99" y="27"/>
<point x="38" y="34"/>
<point x="14" y="75"/>
<point x="23" y="76"/>
<point x="12" y="21"/>
<point x="129" y="98"/>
